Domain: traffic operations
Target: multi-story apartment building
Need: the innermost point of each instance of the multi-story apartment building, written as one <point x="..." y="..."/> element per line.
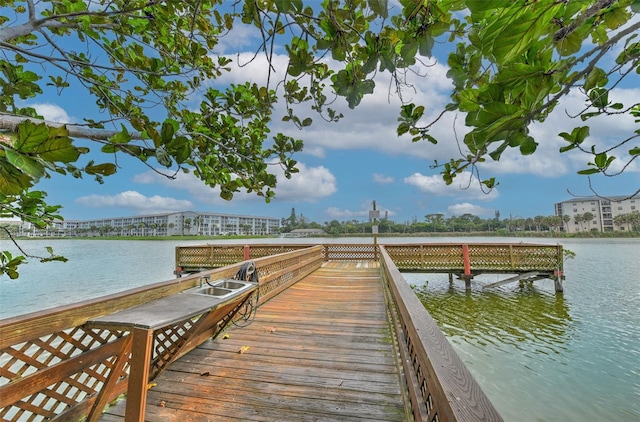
<point x="603" y="210"/>
<point x="168" y="224"/>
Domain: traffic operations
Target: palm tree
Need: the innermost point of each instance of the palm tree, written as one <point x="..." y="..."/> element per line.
<point x="587" y="217"/>
<point x="578" y="218"/>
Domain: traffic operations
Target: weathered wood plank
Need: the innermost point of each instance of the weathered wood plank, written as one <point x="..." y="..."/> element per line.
<point x="322" y="350"/>
<point x="519" y="277"/>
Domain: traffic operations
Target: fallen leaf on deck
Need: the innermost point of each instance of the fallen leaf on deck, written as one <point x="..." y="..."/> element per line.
<point x="243" y="349"/>
<point x="226" y="336"/>
<point x="162" y="403"/>
<point x="151" y="384"/>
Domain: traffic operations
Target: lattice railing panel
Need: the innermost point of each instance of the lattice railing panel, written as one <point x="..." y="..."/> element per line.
<point x="536" y="258"/>
<point x="216" y="256"/>
<point x="428" y="257"/>
<point x="32" y="357"/>
<point x="491" y="257"/>
<point x="194" y="256"/>
<point x="168" y="340"/>
<point x="275" y="275"/>
<point x="351" y="252"/>
<point x="259" y="251"/>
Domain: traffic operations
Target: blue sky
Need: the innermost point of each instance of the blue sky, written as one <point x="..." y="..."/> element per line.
<point x="345" y="166"/>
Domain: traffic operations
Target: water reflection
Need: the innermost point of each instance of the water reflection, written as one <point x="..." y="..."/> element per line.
<point x="526" y="318"/>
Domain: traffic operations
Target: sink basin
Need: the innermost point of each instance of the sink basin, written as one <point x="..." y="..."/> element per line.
<point x="222" y="288"/>
<point x="213" y="291"/>
<point x="233" y="285"/>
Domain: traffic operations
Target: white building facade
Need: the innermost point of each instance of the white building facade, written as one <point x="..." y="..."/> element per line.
<point x="603" y="210"/>
<point x="168" y="224"/>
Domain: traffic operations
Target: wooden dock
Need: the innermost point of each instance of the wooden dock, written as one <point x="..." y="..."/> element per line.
<point x="339" y="335"/>
<point x="323" y="349"/>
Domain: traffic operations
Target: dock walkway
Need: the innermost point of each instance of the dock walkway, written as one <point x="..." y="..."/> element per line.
<point x="321" y="350"/>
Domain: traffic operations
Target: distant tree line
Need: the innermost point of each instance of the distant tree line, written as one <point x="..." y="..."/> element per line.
<point x="465" y="223"/>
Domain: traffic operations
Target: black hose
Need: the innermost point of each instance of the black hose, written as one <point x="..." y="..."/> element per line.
<point x="248" y="272"/>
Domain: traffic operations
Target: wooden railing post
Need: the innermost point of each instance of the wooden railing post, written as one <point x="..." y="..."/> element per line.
<point x="139" y="374"/>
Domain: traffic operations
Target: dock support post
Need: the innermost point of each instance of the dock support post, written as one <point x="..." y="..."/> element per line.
<point x="450" y="278"/>
<point x="557" y="280"/>
<point x="467" y="266"/>
<point x="467" y="282"/>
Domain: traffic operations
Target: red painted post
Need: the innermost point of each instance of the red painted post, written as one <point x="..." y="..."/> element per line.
<point x="246" y="252"/>
<point x="466" y="260"/>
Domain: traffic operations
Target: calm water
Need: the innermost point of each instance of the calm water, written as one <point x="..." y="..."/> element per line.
<point x="537" y="355"/>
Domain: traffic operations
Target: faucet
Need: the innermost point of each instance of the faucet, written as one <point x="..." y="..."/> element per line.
<point x="205" y="278"/>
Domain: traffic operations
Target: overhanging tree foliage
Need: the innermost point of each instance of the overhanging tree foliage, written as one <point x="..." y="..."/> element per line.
<point x="143" y="62"/>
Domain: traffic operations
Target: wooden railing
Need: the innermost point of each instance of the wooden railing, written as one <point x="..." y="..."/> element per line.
<point x="480" y="257"/>
<point x="440" y="386"/>
<point x="201" y="257"/>
<point x="465" y="260"/>
<point x="53" y="366"/>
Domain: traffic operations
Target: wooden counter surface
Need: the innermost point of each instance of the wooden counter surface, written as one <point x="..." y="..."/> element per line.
<point x="166" y="311"/>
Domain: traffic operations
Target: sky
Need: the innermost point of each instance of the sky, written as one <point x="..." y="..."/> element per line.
<point x="348" y="165"/>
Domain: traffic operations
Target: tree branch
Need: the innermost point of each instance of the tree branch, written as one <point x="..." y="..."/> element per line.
<point x="11" y="122"/>
<point x="580" y="19"/>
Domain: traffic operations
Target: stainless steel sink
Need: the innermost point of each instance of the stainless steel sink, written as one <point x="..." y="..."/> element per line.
<point x="229" y="284"/>
<point x="214" y="291"/>
<point x="221" y="288"/>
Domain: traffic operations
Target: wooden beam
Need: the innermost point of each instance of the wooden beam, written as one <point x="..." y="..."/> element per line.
<point x="519" y="277"/>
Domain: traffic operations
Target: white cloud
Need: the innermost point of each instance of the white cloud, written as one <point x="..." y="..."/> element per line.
<point x="52" y="112"/>
<point x="467" y="208"/>
<point x="372" y="125"/>
<point x="310" y="184"/>
<point x="547" y="161"/>
<point x="464" y="185"/>
<point x="382" y="179"/>
<point x="241" y="36"/>
<point x="136" y="201"/>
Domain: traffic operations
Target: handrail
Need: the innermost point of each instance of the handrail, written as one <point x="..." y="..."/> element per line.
<point x="440" y="386"/>
<point x="66" y="364"/>
<point x="460" y="257"/>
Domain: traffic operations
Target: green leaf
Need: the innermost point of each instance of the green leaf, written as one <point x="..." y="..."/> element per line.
<point x="25" y="164"/>
<point x="167" y="131"/>
<point x="570" y="44"/>
<point x="599" y="97"/>
<point x="577" y="136"/>
<point x="59" y="149"/>
<point x="477" y="6"/>
<point x="515" y="28"/>
<point x="31" y="135"/>
<point x="589" y="171"/>
<point x="379" y="7"/>
<point x="490" y="183"/>
<point x="600" y="159"/>
<point x="105" y="169"/>
<point x="597" y="77"/>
